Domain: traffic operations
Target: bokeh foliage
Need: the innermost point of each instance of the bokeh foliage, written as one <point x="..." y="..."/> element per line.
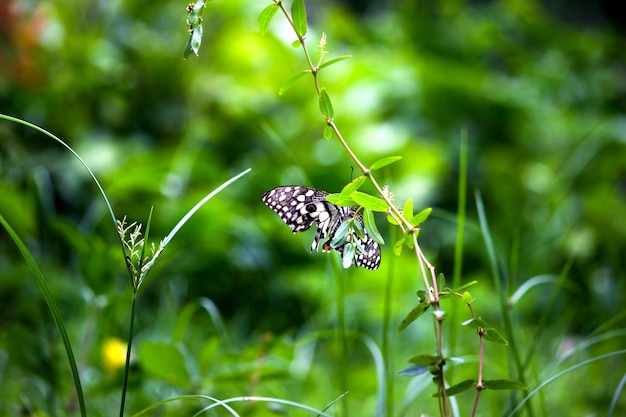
<point x="543" y="102"/>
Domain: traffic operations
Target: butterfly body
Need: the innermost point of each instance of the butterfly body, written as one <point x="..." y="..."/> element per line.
<point x="300" y="207"/>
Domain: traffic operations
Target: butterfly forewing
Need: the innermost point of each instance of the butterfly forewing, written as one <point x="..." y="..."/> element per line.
<point x="300" y="207"/>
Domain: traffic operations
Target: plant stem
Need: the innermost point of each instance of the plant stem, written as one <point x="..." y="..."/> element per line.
<point x="128" y="350"/>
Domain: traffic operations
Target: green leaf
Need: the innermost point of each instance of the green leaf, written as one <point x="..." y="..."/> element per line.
<point x="334" y="61"/>
<point x="369" y="202"/>
<point x="414" y="315"/>
<point x="328" y="132"/>
<point x="475" y="323"/>
<point x="441" y="280"/>
<point x="384" y="162"/>
<point x="358" y="228"/>
<point x="298" y="15"/>
<point x="467" y="297"/>
<point x="164" y="361"/>
<point x="414" y="370"/>
<point x="187" y="48"/>
<point x="504" y="384"/>
<point x="458" y="388"/>
<point x="295" y="77"/>
<point x="352" y="186"/>
<point x="370" y="226"/>
<point x="391" y="220"/>
<point x="266" y="17"/>
<point x="336" y="199"/>
<point x="407" y="211"/>
<point x="341" y="234"/>
<point x="492" y="335"/>
<point x="424" y="359"/>
<point x="296" y="43"/>
<point x="348" y="255"/>
<point x="397" y="247"/>
<point x="326" y="107"/>
<point x="409" y="241"/>
<point x="196" y="39"/>
<point x="421" y="217"/>
<point x="422" y="295"/>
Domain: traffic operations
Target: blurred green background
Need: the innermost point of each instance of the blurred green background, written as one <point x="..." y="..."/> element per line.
<point x="236" y="302"/>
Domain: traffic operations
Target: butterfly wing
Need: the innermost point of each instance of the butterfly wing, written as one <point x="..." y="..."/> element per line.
<point x="300" y="207"/>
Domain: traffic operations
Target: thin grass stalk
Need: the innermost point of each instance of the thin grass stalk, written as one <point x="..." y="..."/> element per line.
<point x="497" y="279"/>
<point x="340" y="294"/>
<point x="131" y="332"/>
<point x="460" y="236"/>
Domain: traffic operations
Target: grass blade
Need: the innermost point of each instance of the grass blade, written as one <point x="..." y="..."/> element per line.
<point x="54" y="310"/>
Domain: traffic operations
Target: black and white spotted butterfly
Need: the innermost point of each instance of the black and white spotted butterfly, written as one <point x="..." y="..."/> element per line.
<point x="301" y="206"/>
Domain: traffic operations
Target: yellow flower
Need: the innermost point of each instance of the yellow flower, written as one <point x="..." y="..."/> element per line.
<point x="113" y="354"/>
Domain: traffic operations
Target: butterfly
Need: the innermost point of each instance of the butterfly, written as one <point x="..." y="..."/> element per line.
<point x="300" y="207"/>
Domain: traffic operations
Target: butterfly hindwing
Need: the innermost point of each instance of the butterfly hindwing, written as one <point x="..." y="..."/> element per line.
<point x="300" y="207"/>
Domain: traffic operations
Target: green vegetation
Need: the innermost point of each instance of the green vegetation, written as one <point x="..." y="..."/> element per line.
<point x="506" y="298"/>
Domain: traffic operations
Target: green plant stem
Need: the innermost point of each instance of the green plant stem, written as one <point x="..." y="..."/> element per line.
<point x="460" y="229"/>
<point x="341" y="336"/>
<point x="128" y="351"/>
<point x="393" y="211"/>
<point x="386" y="344"/>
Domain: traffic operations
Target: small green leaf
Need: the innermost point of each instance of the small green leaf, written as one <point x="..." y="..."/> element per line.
<point x="397" y="247"/>
<point x="334" y="61"/>
<point x="475" y="323"/>
<point x="287" y="84"/>
<point x="298" y="15"/>
<point x="492" y="335"/>
<point x="414" y="370"/>
<point x="348" y="255"/>
<point x="295" y="44"/>
<point x="336" y="199"/>
<point x="414" y="315"/>
<point x="326" y="107"/>
<point x="187" y="48"/>
<point x="424" y="359"/>
<point x="266" y="17"/>
<point x="328" y="132"/>
<point x="358" y="228"/>
<point x="422" y="295"/>
<point x="384" y="162"/>
<point x="467" y="297"/>
<point x="341" y="234"/>
<point x="458" y="388"/>
<point x="421" y="217"/>
<point x="504" y="384"/>
<point x="196" y="39"/>
<point x="352" y="186"/>
<point x="370" y="226"/>
<point x="370" y="202"/>
<point x="198" y="6"/>
<point x="441" y="280"/>
<point x="407" y="211"/>
<point x="333" y="198"/>
<point x="391" y="220"/>
<point x="409" y="241"/>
